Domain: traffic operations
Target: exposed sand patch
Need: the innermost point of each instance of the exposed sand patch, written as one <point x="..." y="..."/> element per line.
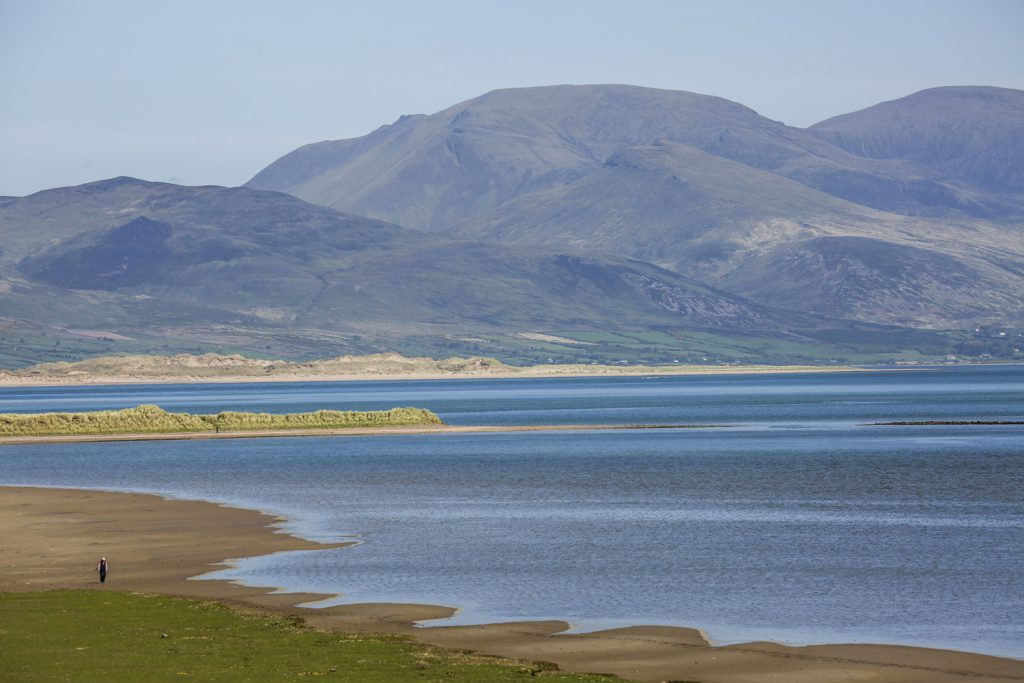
<point x="537" y="336"/>
<point x="212" y="367"/>
<point x="343" y="431"/>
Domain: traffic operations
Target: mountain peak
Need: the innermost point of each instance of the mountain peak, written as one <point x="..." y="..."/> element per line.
<point x="99" y="186"/>
<point x="974" y="134"/>
<point x="988" y="93"/>
<point x="691" y="182"/>
<point x="116" y="183"/>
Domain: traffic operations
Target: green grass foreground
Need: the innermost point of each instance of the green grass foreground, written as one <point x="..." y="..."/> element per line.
<point x="155" y="420"/>
<point x="89" y="635"/>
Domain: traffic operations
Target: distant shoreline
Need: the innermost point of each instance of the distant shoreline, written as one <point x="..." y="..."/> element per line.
<point x="343" y="431"/>
<point x="534" y="372"/>
<point x="945" y="423"/>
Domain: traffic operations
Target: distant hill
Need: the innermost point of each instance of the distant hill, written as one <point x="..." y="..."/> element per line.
<point x="463" y="163"/>
<point x="709" y="189"/>
<point x="144" y="258"/>
<point x="973" y="134"/>
<point x="603" y="224"/>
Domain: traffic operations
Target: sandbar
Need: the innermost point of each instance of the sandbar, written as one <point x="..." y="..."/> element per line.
<point x="53" y="538"/>
<point x="343" y="431"/>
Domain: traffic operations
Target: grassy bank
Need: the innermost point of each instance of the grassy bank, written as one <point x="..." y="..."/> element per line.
<point x="108" y="636"/>
<point x="155" y="420"/>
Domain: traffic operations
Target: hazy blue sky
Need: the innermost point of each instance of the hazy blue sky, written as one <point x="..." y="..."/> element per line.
<point x="211" y="92"/>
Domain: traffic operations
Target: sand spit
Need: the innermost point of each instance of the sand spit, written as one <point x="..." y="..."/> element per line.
<point x="346" y="431"/>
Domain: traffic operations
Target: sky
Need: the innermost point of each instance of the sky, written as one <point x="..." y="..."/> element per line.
<point x="211" y="92"/>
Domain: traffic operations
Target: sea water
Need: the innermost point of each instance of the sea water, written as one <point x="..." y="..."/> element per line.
<point x="793" y="518"/>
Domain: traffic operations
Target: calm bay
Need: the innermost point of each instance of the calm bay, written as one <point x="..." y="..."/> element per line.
<point x="792" y="519"/>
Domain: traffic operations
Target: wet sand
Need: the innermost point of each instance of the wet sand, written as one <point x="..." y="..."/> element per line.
<point x="53" y="538"/>
<point x="345" y="431"/>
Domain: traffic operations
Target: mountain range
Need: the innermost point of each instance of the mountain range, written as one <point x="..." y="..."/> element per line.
<point x="126" y="254"/>
<point x="549" y="220"/>
<point x="710" y="189"/>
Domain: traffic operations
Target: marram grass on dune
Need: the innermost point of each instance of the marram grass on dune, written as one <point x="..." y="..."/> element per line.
<point x="324" y="419"/>
<point x="149" y="419"/>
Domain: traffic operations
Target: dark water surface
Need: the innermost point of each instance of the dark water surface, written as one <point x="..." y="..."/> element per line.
<point x="796" y="522"/>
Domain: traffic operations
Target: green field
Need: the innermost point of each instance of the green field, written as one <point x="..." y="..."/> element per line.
<point x="825" y="347"/>
<point x="156" y="420"/>
<point x="20" y="349"/>
<point x="121" y="637"/>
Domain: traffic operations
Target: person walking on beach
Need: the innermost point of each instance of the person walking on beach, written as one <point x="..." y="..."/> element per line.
<point x="102" y="569"/>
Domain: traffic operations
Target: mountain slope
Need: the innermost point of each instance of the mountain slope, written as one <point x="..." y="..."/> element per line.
<point x="693" y="183"/>
<point x="862" y="277"/>
<point x="973" y="134"/>
<point x="463" y="163"/>
<point x="672" y="204"/>
<point x="833" y="258"/>
<point x="251" y="258"/>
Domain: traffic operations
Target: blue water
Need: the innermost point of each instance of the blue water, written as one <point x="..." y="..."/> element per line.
<point x="793" y="522"/>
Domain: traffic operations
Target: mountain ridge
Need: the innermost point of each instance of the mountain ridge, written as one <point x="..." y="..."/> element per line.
<point x="265" y="257"/>
<point x="569" y="127"/>
<point x="559" y="222"/>
<point x="694" y="183"/>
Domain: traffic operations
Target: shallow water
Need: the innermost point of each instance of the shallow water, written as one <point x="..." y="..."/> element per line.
<point x="795" y="523"/>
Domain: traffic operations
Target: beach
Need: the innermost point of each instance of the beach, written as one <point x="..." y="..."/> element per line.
<point x="242" y="373"/>
<point x="53" y="538"/>
<point x="343" y="431"/>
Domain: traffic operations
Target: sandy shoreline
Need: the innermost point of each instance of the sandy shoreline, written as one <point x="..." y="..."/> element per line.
<point x="345" y="431"/>
<point x="11" y="380"/>
<point x="52" y="538"/>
